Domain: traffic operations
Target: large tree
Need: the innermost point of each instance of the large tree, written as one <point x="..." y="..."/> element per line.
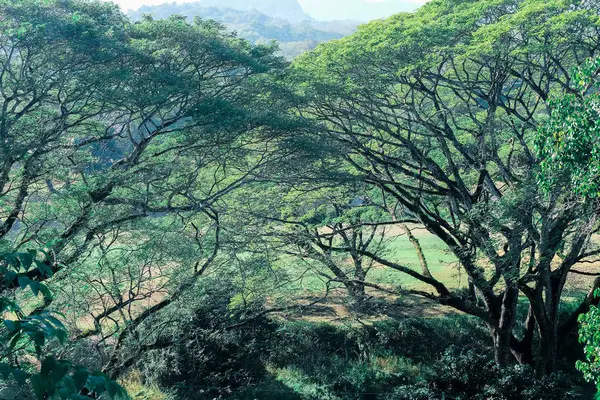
<point x="116" y="137"/>
<point x="438" y="110"/>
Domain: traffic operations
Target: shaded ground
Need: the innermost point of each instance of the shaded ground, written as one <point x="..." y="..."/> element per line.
<point x="337" y="308"/>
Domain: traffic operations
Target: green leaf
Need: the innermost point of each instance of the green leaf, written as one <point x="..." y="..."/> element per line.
<point x="38" y="386"/>
<point x="44" y="269"/>
<point x="45" y="292"/>
<point x="113" y="388"/>
<point x="13" y="342"/>
<point x="57" y="323"/>
<point x="23" y="281"/>
<point x="5" y="370"/>
<point x="20" y="376"/>
<point x="80" y="378"/>
<point x="12" y="326"/>
<point x="64" y="393"/>
<point x="79" y="397"/>
<point x="35" y="287"/>
<point x="61" y="335"/>
<point x="26" y="259"/>
<point x="38" y="337"/>
<point x="59" y="372"/>
<point x="69" y="384"/>
<point x="10" y="276"/>
<point x="48" y="365"/>
<point x="97" y="383"/>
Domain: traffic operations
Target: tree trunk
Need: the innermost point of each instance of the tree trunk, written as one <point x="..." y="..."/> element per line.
<point x="502" y="330"/>
<point x="548" y="349"/>
<point x="523" y="349"/>
<point x="357" y="292"/>
<point x="501" y="346"/>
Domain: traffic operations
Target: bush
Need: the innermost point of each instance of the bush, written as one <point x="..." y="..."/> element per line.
<point x="206" y="358"/>
<point x="412" y="359"/>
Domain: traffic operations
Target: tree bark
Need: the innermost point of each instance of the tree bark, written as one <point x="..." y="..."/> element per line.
<point x="502" y="329"/>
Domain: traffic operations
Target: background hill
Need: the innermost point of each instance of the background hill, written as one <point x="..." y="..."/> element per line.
<point x="260" y="21"/>
<point x="286" y="9"/>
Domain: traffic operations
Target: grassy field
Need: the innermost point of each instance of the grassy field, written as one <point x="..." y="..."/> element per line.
<point x="399" y="249"/>
<point x="305" y="283"/>
<point x="304" y="277"/>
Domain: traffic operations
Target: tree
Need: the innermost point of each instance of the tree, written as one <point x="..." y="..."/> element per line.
<point x="117" y="136"/>
<point x="568" y="146"/>
<point x="58" y="71"/>
<point x="588" y="335"/>
<point x="438" y="110"/>
<point x="589" y="323"/>
<point x="288" y="222"/>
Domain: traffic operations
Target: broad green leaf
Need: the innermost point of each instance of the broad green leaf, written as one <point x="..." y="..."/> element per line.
<point x="20" y="376"/>
<point x="5" y="370"/>
<point x="80" y="378"/>
<point x="38" y="385"/>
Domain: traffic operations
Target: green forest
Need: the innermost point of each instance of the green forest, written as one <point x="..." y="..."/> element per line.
<point x="411" y="211"/>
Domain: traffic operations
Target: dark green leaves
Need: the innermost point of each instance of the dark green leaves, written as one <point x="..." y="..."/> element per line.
<point x="80" y="378"/>
<point x="55" y="377"/>
<point x="569" y="144"/>
<point x="20" y="376"/>
<point x="589" y="335"/>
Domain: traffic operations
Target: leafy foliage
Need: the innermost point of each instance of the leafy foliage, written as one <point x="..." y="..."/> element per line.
<point x="55" y="379"/>
<point x="439" y="111"/>
<point x="184" y="182"/>
<point x="588" y="335"/>
<point x="568" y="143"/>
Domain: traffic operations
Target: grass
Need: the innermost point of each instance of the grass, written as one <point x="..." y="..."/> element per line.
<point x="441" y="262"/>
<point x="137" y="390"/>
<point x="303" y="278"/>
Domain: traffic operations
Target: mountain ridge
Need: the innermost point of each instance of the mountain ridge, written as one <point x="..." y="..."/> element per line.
<point x="290" y="10"/>
<point x="294" y="38"/>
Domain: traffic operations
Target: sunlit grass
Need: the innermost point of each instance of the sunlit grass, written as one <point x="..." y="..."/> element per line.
<point x="303" y="277"/>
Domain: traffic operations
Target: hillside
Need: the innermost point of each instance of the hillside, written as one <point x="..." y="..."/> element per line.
<point x="285" y="9"/>
<point x="258" y="26"/>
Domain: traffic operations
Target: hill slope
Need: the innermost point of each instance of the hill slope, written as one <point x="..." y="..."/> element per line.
<point x="286" y="9"/>
<point x="257" y="27"/>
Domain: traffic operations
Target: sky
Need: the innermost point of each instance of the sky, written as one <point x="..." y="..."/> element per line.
<point x="321" y="9"/>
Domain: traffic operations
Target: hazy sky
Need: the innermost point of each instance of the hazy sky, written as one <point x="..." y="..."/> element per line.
<point x="321" y="9"/>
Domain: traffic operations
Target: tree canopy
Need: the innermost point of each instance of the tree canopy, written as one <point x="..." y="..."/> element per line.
<point x="439" y="110"/>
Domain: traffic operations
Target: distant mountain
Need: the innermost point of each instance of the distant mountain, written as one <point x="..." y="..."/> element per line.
<point x="255" y="26"/>
<point x="289" y="10"/>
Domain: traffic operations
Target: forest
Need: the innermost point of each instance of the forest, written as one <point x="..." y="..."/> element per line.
<point x="407" y="212"/>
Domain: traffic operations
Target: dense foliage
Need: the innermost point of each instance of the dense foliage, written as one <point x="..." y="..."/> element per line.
<point x="29" y="335"/>
<point x="439" y="111"/>
<point x="588" y="334"/>
<point x="568" y="143"/>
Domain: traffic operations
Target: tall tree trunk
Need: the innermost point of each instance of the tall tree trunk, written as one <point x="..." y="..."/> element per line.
<point x="547" y="352"/>
<point x="502" y="329"/>
<point x="523" y="349"/>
